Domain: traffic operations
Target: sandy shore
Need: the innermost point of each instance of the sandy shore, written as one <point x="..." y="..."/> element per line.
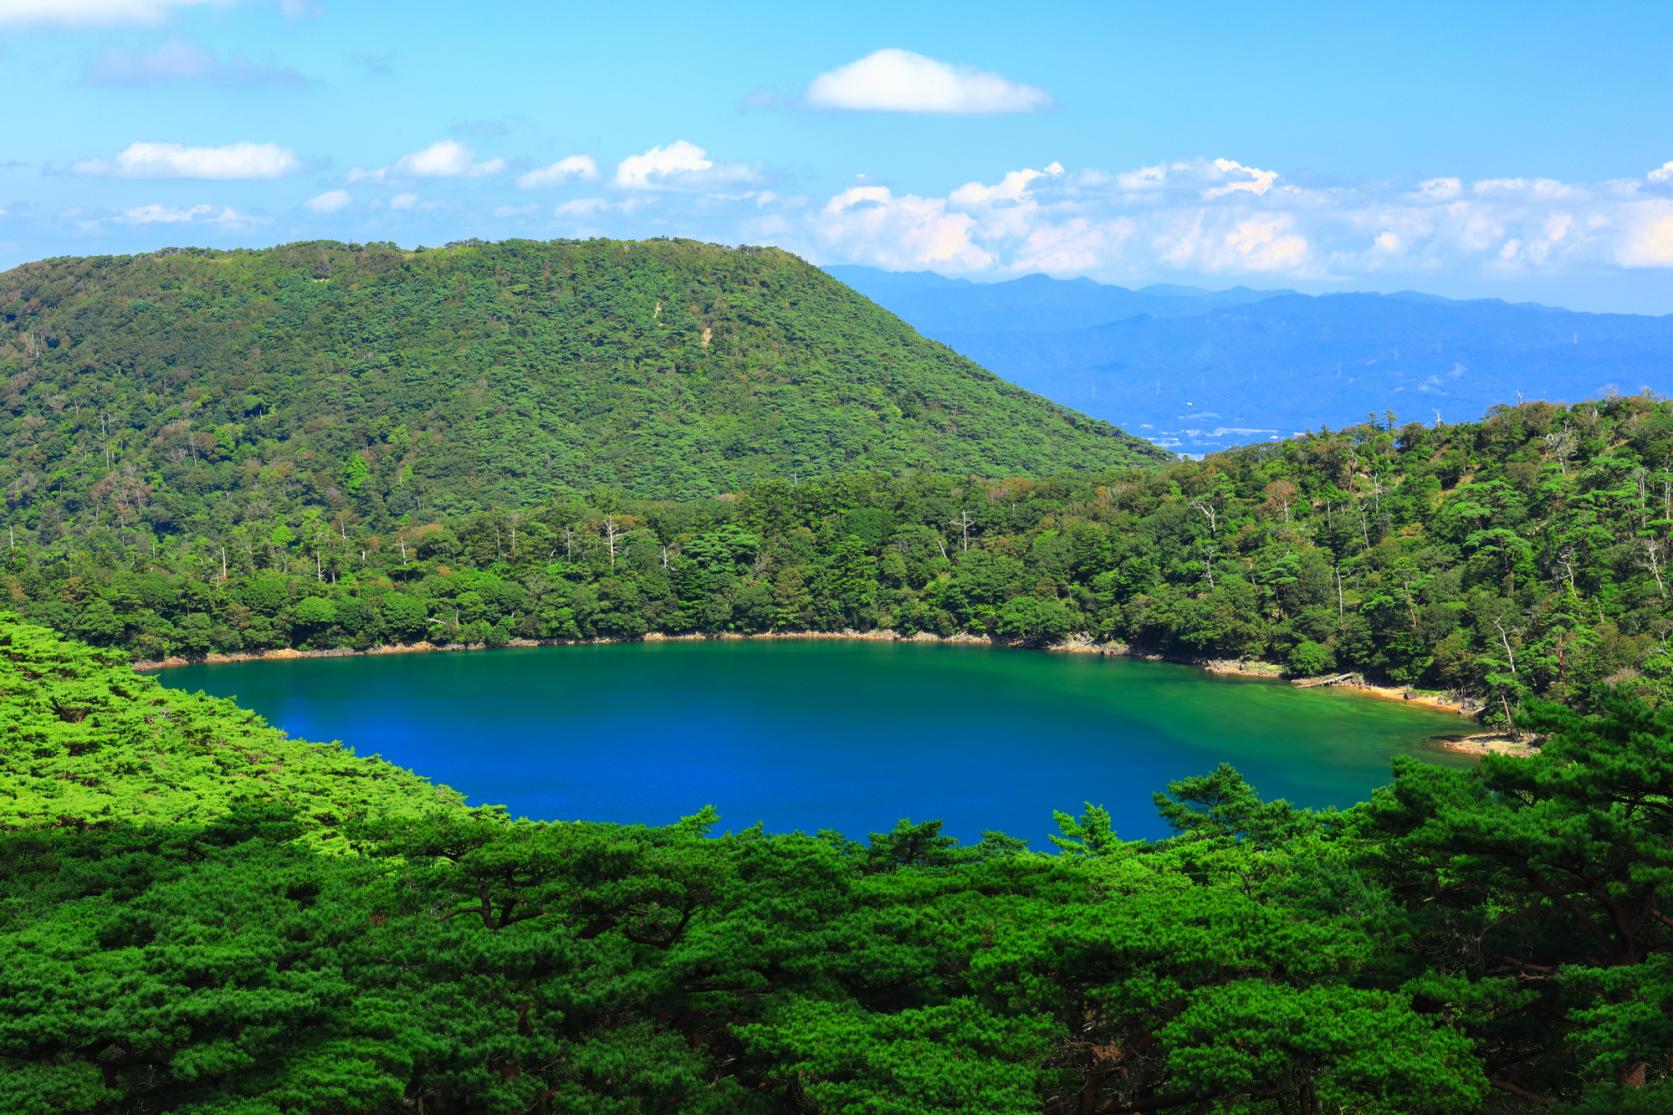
<point x="1230" y="667"/>
<point x="1492" y="743"/>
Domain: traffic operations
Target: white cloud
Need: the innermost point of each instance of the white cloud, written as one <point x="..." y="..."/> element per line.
<point x="91" y="13"/>
<point x="197" y="214"/>
<point x="1012" y="187"/>
<point x="1072" y="247"/>
<point x="175" y="160"/>
<point x="893" y="80"/>
<point x="1258" y="182"/>
<point x="581" y="207"/>
<point x="680" y="164"/>
<point x="1662" y="173"/>
<point x="871" y="223"/>
<point x="1209" y="243"/>
<point x="1648" y="241"/>
<point x="1438" y="189"/>
<point x="1144" y="178"/>
<point x="571" y="167"/>
<point x="1540" y="189"/>
<point x="178" y="60"/>
<point x="447" y="158"/>
<point x="403" y="201"/>
<point x="329" y="202"/>
<point x="1215" y="218"/>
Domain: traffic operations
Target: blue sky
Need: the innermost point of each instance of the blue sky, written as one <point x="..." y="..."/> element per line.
<point x="1518" y="151"/>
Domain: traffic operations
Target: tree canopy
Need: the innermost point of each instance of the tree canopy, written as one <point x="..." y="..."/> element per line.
<point x="199" y="914"/>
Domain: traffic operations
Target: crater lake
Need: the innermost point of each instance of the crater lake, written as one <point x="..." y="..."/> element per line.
<point x="815" y="734"/>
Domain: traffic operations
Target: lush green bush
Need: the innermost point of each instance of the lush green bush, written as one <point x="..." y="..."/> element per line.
<point x="1309" y="659"/>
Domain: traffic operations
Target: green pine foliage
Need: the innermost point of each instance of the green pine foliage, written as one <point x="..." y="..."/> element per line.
<point x="188" y="389"/>
<point x="89" y="742"/>
<point x="199" y="915"/>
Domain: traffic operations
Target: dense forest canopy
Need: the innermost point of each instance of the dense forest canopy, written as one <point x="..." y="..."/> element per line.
<point x="200" y="914"/>
<point x="1522" y="555"/>
<point x="191" y="388"/>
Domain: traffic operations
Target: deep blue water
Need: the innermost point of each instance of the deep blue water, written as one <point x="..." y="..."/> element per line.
<point x="844" y="735"/>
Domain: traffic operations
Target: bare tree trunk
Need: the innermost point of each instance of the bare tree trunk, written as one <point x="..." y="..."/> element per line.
<point x="1504" y="641"/>
<point x="1652" y="555"/>
<point x="611" y="533"/>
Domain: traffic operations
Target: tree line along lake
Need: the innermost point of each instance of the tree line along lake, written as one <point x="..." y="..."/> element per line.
<point x="823" y="734"/>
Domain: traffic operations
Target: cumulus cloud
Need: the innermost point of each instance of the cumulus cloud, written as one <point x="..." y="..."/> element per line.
<point x="1258" y="181"/>
<point x="196" y="214"/>
<point x="894" y="80"/>
<point x="1225" y="218"/>
<point x="328" y="202"/>
<point x="1662" y="173"/>
<point x="871" y="223"/>
<point x="581" y="207"/>
<point x="1438" y="189"/>
<point x="176" y="160"/>
<point x="1072" y="246"/>
<point x="1012" y="187"/>
<point x="567" y="169"/>
<point x="403" y="201"/>
<point x="1648" y="241"/>
<point x="1213" y="242"/>
<point x="679" y="165"/>
<point x="447" y="158"/>
<point x="1539" y="189"/>
<point x="178" y="60"/>
<point x="91" y="13"/>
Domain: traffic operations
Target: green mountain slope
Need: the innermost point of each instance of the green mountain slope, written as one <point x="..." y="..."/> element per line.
<point x="435" y="381"/>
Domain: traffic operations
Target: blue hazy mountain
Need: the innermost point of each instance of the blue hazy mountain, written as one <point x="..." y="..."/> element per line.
<point x="933" y="303"/>
<point x="1198" y="370"/>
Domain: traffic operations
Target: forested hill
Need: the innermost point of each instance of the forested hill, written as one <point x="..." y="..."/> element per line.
<point x="436" y="381"/>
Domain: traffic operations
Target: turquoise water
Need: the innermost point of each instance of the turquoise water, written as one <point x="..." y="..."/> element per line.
<point x="827" y="734"/>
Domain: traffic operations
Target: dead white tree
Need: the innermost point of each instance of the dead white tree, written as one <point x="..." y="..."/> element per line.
<point x="1561" y="443"/>
<point x="964" y="523"/>
<point x="613" y="533"/>
<point x="1206" y="509"/>
<point x="1653" y="559"/>
<point x="1504" y="641"/>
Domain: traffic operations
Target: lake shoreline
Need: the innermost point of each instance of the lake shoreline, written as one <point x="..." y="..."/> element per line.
<point x="1254" y="669"/>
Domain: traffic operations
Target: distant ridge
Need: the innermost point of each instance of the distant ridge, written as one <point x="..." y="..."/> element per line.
<point x="1203" y="370"/>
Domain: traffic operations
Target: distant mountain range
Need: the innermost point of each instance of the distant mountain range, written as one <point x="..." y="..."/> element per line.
<point x="1197" y="370"/>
